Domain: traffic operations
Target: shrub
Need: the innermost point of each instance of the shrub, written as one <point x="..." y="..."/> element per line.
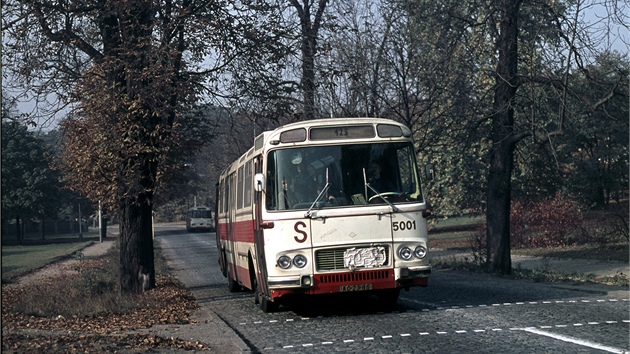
<point x="608" y="225"/>
<point x="478" y="246"/>
<point x="552" y="221"/>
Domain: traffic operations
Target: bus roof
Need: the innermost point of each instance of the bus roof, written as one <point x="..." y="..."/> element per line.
<point x="325" y="130"/>
<point x="304" y="130"/>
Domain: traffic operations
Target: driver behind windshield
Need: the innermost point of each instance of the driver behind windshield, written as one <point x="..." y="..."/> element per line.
<point x="376" y="179"/>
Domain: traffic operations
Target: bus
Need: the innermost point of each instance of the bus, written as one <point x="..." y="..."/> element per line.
<point x="324" y="206"/>
<point x="199" y="218"/>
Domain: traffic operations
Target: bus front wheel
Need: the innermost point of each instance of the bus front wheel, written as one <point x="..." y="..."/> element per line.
<point x="265" y="304"/>
<point x="388" y="298"/>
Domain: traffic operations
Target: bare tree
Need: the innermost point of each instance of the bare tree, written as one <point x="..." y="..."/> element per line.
<point x="133" y="72"/>
<point x="310" y="14"/>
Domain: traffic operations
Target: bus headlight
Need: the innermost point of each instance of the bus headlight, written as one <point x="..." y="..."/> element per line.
<point x="299" y="261"/>
<point x="420" y="252"/>
<point x="405" y="253"/>
<point x="284" y="262"/>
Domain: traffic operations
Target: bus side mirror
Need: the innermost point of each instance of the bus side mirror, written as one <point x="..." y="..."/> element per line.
<point x="429" y="171"/>
<point x="259" y="182"/>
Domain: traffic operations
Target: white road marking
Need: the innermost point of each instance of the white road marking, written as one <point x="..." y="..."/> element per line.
<point x="535" y="330"/>
<point x="577" y="341"/>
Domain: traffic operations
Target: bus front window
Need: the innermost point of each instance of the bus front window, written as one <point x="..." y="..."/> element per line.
<point x="358" y="174"/>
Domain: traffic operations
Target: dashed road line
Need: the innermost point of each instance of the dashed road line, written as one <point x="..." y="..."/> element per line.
<point x="546" y="302"/>
<point x="540" y="330"/>
<point x="275" y="321"/>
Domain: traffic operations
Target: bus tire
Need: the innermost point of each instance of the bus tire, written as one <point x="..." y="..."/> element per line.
<point x="268" y="306"/>
<point x="233" y="286"/>
<point x="388" y="298"/>
<point x="223" y="264"/>
<point x="265" y="304"/>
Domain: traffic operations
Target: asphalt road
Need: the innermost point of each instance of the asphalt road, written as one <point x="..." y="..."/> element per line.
<point x="457" y="312"/>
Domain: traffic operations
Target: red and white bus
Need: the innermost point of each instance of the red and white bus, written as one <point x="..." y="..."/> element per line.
<point x="324" y="206"/>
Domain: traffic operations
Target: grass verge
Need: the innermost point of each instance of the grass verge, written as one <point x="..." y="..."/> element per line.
<point x="82" y="310"/>
<point x="89" y="288"/>
<point x="460" y="235"/>
<point x="19" y="260"/>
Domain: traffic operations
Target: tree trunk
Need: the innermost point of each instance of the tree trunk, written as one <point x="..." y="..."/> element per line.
<point x="18" y="230"/>
<point x="503" y="142"/>
<point x="136" y="266"/>
<point x="308" y="47"/>
<point x="308" y="73"/>
<point x="103" y="229"/>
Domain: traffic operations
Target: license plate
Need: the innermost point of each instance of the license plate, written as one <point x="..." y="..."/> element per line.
<point x="355" y="287"/>
<point x="369" y="257"/>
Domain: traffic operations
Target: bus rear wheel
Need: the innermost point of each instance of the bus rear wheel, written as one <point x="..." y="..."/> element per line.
<point x="223" y="264"/>
<point x="232" y="284"/>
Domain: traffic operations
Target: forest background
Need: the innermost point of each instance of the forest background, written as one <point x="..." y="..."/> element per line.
<point x="200" y="83"/>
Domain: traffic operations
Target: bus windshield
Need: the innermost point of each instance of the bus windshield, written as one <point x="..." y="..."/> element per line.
<point x="200" y="213"/>
<point x="341" y="175"/>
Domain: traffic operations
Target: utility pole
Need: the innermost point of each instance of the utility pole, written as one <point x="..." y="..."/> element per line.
<point x="80" y="229"/>
<point x="100" y="222"/>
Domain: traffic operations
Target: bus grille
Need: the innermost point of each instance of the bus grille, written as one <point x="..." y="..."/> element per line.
<point x="355" y="276"/>
<point x="332" y="259"/>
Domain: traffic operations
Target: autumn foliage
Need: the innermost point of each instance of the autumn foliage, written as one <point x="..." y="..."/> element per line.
<point x="552" y="221"/>
<point x="79" y="310"/>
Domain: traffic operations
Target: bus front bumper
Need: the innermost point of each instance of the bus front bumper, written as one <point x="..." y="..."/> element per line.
<point x="364" y="280"/>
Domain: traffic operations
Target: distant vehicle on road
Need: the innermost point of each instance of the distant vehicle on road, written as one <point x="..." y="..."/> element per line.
<point x="199" y="218"/>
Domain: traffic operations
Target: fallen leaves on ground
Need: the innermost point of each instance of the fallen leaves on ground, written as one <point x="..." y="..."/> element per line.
<point x="169" y="303"/>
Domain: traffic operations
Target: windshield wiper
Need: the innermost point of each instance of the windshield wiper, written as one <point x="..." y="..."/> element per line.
<point x="367" y="185"/>
<point x="308" y="212"/>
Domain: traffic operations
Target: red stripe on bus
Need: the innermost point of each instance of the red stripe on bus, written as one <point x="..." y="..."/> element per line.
<point x="243" y="231"/>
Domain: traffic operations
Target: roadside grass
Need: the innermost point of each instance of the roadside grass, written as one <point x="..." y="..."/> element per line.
<point x="19" y="260"/>
<point x="81" y="310"/>
<point x="91" y="289"/>
<point x="547" y="276"/>
<point x="461" y="234"/>
<point x="35" y="239"/>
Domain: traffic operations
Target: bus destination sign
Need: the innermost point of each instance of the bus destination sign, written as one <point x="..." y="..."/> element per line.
<point x="342" y="132"/>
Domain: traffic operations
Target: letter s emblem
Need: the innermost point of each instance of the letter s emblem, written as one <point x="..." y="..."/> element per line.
<point x="302" y="232"/>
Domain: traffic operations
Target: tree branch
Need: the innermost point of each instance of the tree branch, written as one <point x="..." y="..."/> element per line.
<point x="67" y="36"/>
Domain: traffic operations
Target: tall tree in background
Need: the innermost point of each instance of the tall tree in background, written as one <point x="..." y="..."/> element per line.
<point x="134" y="71"/>
<point x="310" y="14"/>
<point x="502" y="138"/>
<point x="511" y="122"/>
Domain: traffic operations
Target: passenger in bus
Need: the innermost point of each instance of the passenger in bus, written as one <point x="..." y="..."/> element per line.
<point x="302" y="189"/>
<point x="376" y="179"/>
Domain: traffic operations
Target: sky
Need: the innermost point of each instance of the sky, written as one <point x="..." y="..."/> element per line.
<point x="598" y="16"/>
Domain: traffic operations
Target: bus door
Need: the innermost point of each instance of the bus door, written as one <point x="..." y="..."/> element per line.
<point x="259" y="237"/>
<point x="231" y="219"/>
